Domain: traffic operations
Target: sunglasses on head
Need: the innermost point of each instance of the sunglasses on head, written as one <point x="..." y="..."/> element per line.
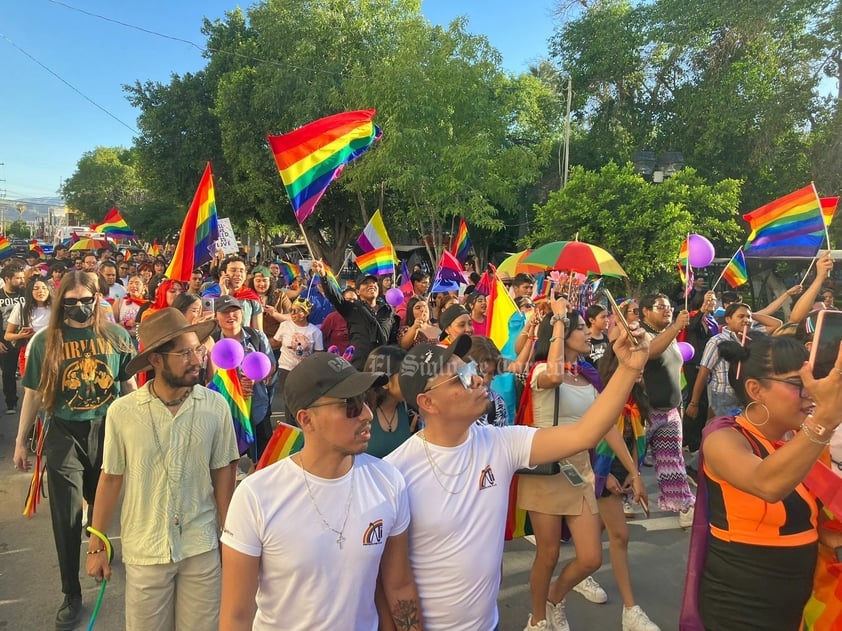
<point x="464" y="374"/>
<point x="72" y="302"/>
<point x="353" y="405"/>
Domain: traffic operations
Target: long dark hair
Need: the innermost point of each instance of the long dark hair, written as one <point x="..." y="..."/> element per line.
<point x="545" y="332"/>
<point x="387" y="359"/>
<point x="29" y="303"/>
<point x="608" y="365"/>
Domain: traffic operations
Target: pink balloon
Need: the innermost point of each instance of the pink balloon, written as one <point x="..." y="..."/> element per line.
<point x="700" y="251"/>
<point x="687" y="351"/>
<point x="394" y="297"/>
<point x="227" y="354"/>
<point x="256" y="366"/>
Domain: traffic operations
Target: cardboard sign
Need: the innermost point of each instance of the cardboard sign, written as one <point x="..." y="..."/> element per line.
<point x="227" y="241"/>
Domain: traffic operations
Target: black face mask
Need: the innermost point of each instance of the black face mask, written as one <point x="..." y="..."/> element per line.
<point x="79" y="313"/>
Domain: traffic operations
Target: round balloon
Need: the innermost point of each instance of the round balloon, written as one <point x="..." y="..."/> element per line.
<point x="394" y="297"/>
<point x="700" y="251"/>
<point x="687" y="351"/>
<point x="227" y="354"/>
<point x="256" y="366"/>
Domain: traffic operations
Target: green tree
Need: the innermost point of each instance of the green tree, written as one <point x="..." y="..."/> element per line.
<point x="18" y="229"/>
<point x="104" y="178"/>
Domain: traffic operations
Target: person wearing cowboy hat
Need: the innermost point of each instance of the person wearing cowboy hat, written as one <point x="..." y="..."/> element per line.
<point x="171" y="444"/>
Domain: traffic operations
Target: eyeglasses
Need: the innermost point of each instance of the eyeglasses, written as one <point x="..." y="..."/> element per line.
<point x="295" y="311"/>
<point x="795" y="383"/>
<point x="200" y="352"/>
<point x="465" y="374"/>
<point x="72" y="302"/>
<point x="353" y="405"/>
<point x="660" y="307"/>
<point x="634" y="311"/>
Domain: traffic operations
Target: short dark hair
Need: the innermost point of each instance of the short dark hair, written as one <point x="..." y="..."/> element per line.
<point x="108" y="263"/>
<point x="592" y="312"/>
<point x="11" y="269"/>
<point x="733" y="307"/>
<point x="232" y="259"/>
<point x="418" y="276"/>
<point x="647" y="302"/>
<point x="730" y="296"/>
<point x="523" y="279"/>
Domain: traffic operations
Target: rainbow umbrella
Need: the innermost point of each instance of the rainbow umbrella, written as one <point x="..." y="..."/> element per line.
<point x="514" y="265"/>
<point x="90" y="244"/>
<point x="576" y="256"/>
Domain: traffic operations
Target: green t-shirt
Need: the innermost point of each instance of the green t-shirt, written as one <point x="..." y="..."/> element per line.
<point x="383" y="443"/>
<point x="90" y="372"/>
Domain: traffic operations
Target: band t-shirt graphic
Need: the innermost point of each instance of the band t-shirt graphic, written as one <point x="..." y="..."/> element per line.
<point x="90" y="373"/>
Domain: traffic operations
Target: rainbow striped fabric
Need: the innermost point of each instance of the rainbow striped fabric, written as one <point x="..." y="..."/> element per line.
<point x="735" y="273"/>
<point x="312" y="156"/>
<point x="199" y="232"/>
<point x="329" y="277"/>
<point x="113" y="225"/>
<point x="286" y="440"/>
<point x="227" y="383"/>
<point x="378" y="262"/>
<point x="462" y="246"/>
<point x="290" y="271"/>
<point x="34" y="247"/>
<point x="790" y="226"/>
<point x="829" y="205"/>
<point x="154" y="249"/>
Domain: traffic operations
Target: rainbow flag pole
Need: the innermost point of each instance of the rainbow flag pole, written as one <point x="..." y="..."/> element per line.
<point x="725" y="269"/>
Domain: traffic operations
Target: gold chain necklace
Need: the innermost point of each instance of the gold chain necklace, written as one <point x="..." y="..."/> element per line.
<point x="436" y="469"/>
<point x="341" y="536"/>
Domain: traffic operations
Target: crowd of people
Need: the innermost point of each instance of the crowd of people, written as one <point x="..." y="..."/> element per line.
<point x="416" y="425"/>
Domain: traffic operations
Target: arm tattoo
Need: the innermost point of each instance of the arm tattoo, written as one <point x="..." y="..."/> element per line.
<point x="405" y="614"/>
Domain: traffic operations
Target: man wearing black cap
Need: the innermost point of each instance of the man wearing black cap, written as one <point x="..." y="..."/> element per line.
<point x="305" y="537"/>
<point x="458" y="474"/>
<point x="370" y="324"/>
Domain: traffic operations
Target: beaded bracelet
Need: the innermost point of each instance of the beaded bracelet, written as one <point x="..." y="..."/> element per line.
<point x="811" y="434"/>
<point x="95" y="551"/>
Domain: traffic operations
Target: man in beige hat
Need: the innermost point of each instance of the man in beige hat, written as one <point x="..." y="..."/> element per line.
<point x="173" y="443"/>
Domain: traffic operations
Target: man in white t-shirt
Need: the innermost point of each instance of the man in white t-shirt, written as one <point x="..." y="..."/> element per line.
<point x="305" y="537"/>
<point x="458" y="473"/>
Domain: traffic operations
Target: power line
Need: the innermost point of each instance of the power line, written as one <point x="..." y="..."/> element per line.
<point x="70" y="85"/>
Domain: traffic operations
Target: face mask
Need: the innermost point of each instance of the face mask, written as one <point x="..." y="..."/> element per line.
<point x="79" y="313"/>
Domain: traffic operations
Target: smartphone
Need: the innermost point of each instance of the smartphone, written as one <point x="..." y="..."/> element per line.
<point x="207" y="305"/>
<point x="619" y="315"/>
<point x="571" y="473"/>
<point x="825" y="344"/>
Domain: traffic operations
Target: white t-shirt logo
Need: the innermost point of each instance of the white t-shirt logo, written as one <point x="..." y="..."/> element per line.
<point x="373" y="535"/>
<point x="486" y="478"/>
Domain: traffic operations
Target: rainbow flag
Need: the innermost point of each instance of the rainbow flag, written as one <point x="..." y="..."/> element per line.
<point x="113" y="225"/>
<point x="227" y="383"/>
<point x="378" y="262"/>
<point x="34" y="247"/>
<point x="829" y="205"/>
<point x="374" y="235"/>
<point x="790" y="226"/>
<point x="286" y="440"/>
<point x="329" y="277"/>
<point x="312" y="156"/>
<point x="6" y="249"/>
<point x="501" y="308"/>
<point x="199" y="232"/>
<point x="127" y="255"/>
<point x="154" y="249"/>
<point x="290" y="271"/>
<point x="462" y="246"/>
<point x="735" y="273"/>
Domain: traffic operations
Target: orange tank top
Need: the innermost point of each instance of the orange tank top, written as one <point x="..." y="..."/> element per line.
<point x="740" y="517"/>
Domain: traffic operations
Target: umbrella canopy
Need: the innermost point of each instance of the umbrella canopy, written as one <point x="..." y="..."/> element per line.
<point x="514" y="265"/>
<point x="576" y="256"/>
<point x="90" y="244"/>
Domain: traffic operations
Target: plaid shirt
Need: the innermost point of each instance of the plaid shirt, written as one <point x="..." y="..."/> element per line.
<point x="718" y="367"/>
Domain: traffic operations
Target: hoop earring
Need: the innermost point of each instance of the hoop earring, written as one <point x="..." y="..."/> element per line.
<point x="748" y="407"/>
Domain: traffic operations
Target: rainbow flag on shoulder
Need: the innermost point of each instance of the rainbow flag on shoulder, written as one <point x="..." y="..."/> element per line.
<point x="227" y="383"/>
<point x="790" y="226"/>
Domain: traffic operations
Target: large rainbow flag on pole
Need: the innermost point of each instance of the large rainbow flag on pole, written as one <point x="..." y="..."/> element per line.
<point x="792" y="225"/>
<point x="199" y="232"/>
<point x="312" y="156"/>
<point x="462" y="245"/>
<point x="114" y="226"/>
<point x="227" y="383"/>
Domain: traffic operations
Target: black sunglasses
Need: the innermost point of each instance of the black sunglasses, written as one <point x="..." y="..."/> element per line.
<point x="72" y="302"/>
<point x="353" y="405"/>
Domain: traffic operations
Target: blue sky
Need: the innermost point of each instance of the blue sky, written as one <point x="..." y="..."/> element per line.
<point x="45" y="126"/>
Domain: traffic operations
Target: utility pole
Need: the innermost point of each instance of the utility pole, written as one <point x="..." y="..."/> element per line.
<point x="567" y="132"/>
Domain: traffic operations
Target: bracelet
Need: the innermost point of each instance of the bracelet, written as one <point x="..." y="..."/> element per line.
<point x="560" y="318"/>
<point x="97" y="551"/>
<point x="812" y="435"/>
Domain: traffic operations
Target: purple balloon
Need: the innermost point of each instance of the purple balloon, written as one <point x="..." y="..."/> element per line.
<point x="700" y="251"/>
<point x="256" y="366"/>
<point x="687" y="351"/>
<point x="227" y="354"/>
<point x="394" y="297"/>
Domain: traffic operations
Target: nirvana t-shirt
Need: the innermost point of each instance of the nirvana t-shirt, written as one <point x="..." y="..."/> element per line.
<point x="90" y="371"/>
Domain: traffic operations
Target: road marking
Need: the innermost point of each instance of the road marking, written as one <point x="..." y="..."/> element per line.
<point x="15" y="552"/>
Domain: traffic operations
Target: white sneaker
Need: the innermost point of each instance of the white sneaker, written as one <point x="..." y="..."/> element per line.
<point x="634" y="619"/>
<point x="685" y="518"/>
<point x="543" y="625"/>
<point x="557" y="617"/>
<point x="591" y="590"/>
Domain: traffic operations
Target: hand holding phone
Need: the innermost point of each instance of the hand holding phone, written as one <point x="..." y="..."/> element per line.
<point x="620" y="317"/>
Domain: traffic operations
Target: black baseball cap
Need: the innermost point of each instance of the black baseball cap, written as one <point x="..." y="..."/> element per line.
<point x="326" y="375"/>
<point x="426" y="361"/>
<point x="365" y="278"/>
<point x="226" y="302"/>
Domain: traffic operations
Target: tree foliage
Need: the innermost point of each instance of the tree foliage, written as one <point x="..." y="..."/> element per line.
<point x="104" y="178"/>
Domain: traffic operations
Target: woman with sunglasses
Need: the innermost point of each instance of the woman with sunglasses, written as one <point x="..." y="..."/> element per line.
<point x="392" y="424"/>
<point x="762" y="521"/>
<point x="297" y="339"/>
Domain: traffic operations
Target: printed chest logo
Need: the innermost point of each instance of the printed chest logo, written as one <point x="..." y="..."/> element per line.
<point x="486" y="478"/>
<point x="373" y="535"/>
<point x="87" y="383"/>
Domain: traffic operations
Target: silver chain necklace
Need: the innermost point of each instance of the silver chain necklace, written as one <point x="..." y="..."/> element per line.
<point x="340" y="539"/>
<point x="436" y="469"/>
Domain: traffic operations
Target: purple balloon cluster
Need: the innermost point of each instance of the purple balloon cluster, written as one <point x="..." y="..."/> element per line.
<point x="228" y="354"/>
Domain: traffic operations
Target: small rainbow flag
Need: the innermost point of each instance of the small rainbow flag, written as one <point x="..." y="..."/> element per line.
<point x="6" y="249"/>
<point x="127" y="255"/>
<point x="199" y="232"/>
<point x="114" y="225"/>
<point x="792" y="225"/>
<point x="290" y="271"/>
<point x="378" y="262"/>
<point x="735" y="273"/>
<point x="462" y="246"/>
<point x="312" y="156"/>
<point x="332" y="279"/>
<point x="227" y="383"/>
<point x="34" y="247"/>
<point x="154" y="249"/>
<point x="286" y="440"/>
<point x="829" y="205"/>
